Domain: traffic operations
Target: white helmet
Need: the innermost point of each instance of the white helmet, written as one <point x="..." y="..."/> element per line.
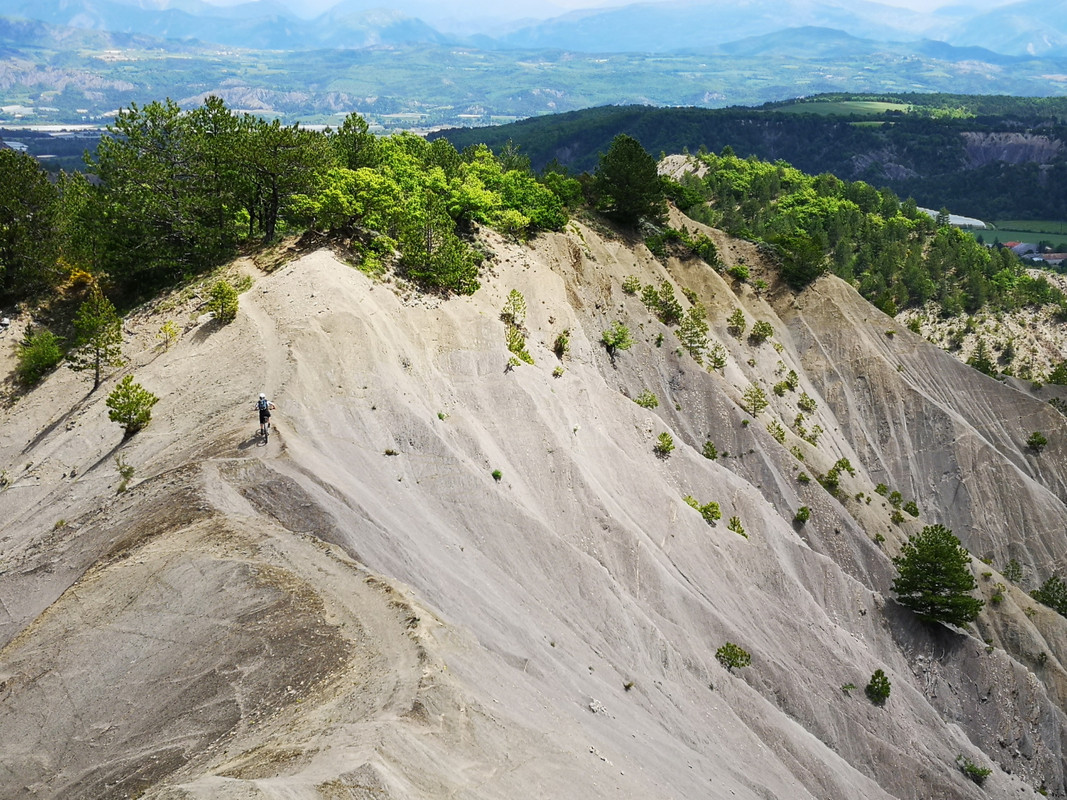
<point x="262" y="396"/>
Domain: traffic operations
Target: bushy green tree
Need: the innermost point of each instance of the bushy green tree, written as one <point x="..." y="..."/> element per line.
<point x="934" y="578"/>
<point x="627" y="184"/>
<point x="169" y="185"/>
<point x="354" y="144"/>
<point x="28" y="226"/>
<point x="616" y="338"/>
<point x="1037" y="441"/>
<point x="433" y="256"/>
<point x="980" y="359"/>
<point x="878" y="688"/>
<point x="97" y="336"/>
<point x="130" y="405"/>
<point x="222" y="301"/>
<point x="38" y="353"/>
<point x="761" y="332"/>
<point x="1053" y="593"/>
<point x="733" y="656"/>
<point x="754" y="400"/>
<point x="736" y="324"/>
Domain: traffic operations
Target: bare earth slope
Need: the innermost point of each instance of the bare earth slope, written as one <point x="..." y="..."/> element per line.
<point x="359" y="610"/>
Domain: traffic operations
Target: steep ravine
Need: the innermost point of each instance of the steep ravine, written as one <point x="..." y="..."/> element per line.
<point x="359" y="609"/>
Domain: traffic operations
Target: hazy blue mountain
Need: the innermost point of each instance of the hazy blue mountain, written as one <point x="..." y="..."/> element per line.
<point x="812" y="42"/>
<point x="685" y="24"/>
<point x="1034" y="27"/>
<point x="18" y="35"/>
<point x="1031" y="27"/>
<point x="250" y="25"/>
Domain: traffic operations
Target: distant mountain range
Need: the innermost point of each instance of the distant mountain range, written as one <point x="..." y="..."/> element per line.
<point x="1031" y="27"/>
<point x="80" y="60"/>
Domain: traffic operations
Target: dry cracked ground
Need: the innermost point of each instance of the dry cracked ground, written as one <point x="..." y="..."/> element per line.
<point x="360" y="609"/>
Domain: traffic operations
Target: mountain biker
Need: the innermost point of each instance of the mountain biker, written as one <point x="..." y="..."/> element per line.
<point x="265" y="406"/>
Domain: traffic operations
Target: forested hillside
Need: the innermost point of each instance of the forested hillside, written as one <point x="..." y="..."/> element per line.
<point x="985" y="157"/>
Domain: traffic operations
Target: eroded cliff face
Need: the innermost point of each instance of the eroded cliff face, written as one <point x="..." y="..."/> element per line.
<point x="983" y="148"/>
<point x="360" y="609"/>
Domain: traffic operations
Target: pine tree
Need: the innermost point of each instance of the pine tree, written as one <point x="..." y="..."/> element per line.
<point x="97" y="336"/>
<point x="980" y="359"/>
<point x="130" y="405"/>
<point x="628" y="184"/>
<point x="934" y="578"/>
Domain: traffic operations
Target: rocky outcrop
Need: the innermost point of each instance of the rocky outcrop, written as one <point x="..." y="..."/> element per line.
<point x="984" y="148"/>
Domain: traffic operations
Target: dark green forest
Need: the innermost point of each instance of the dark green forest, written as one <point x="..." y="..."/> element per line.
<point x="922" y="153"/>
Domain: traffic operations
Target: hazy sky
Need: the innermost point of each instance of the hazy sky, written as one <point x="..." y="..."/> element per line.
<point x="549" y="8"/>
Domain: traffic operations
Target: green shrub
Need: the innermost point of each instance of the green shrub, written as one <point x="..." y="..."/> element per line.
<point x="716" y="356"/>
<point x="647" y="399"/>
<point x="844" y="465"/>
<point x="616" y="338"/>
<point x="710" y="512"/>
<point x="803" y="477"/>
<point x="896" y="517"/>
<point x="1013" y="571"/>
<point x="806" y="403"/>
<point x="631" y="284"/>
<point x="733" y="656"/>
<point x="709" y="450"/>
<point x="881" y="489"/>
<point x="222" y="301"/>
<point x="514" y="310"/>
<point x="516" y="342"/>
<point x="664" y="445"/>
<point x="662" y="303"/>
<point x="1052" y="593"/>
<point x="736" y="324"/>
<point x="973" y="771"/>
<point x="803" y="515"/>
<point x="911" y="508"/>
<point x="38" y="353"/>
<point x="775" y="429"/>
<point x="130" y="405"/>
<point x="497" y="475"/>
<point x="735" y="525"/>
<point x="877" y="690"/>
<point x="761" y="332"/>
<point x="168" y="334"/>
<point x="738" y="271"/>
<point x="562" y="344"/>
<point x="1037" y="441"/>
<point x="125" y="473"/>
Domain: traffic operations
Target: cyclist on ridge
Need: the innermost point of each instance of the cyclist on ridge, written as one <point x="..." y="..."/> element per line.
<point x="265" y="406"/>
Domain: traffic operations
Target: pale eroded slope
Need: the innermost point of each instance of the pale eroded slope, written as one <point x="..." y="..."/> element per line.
<point x="221" y="630"/>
